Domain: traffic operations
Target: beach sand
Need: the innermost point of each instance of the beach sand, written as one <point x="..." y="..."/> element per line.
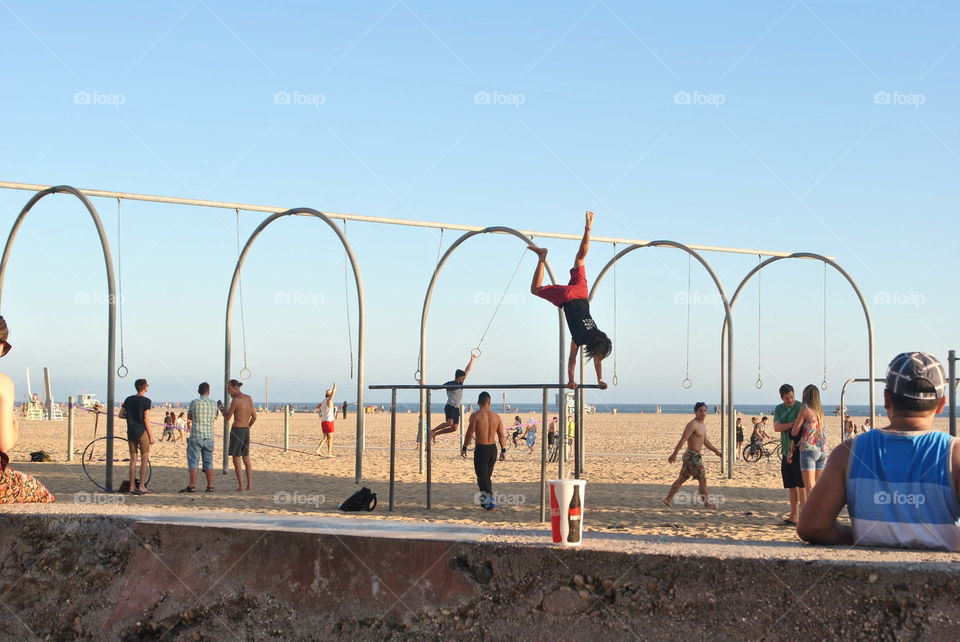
<point x="626" y="470"/>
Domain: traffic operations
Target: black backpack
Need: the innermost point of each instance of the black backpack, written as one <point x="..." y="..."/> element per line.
<point x="363" y="499"/>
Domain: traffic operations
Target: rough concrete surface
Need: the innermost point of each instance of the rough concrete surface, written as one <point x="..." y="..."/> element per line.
<point x="71" y="577"/>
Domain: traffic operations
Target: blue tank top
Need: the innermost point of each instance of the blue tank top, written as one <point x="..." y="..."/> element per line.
<point x="900" y="492"/>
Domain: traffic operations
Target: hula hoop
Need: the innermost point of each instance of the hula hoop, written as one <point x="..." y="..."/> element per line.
<point x="759" y="383"/>
<point x="245" y="373"/>
<point x="475" y="353"/>
<point x="125" y="372"/>
<point x="686" y="383"/>
<point x="83" y="461"/>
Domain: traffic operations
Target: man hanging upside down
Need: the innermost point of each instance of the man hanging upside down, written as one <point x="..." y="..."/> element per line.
<point x="573" y="298"/>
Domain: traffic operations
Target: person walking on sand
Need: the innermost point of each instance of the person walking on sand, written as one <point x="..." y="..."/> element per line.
<point x="695" y="434"/>
<point x="343" y="410"/>
<point x="451" y="411"/>
<point x="784" y="417"/>
<point x="202" y="413"/>
<point x="485" y="426"/>
<point x="244" y="415"/>
<point x="573" y="298"/>
<point x="180" y="426"/>
<point x="327" y="411"/>
<point x="136" y="410"/>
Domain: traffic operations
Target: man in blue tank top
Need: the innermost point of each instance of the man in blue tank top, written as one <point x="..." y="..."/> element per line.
<point x="899" y="483"/>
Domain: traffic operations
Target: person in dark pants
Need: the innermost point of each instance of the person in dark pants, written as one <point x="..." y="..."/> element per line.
<point x="784" y="416"/>
<point x="485" y="425"/>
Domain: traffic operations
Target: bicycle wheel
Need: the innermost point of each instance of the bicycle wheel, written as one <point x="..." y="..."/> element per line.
<point x="90" y="467"/>
<point x="752" y="453"/>
<point x="778" y="452"/>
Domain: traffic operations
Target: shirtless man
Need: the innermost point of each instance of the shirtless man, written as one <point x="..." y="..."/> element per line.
<point x="244" y="415"/>
<point x="695" y="434"/>
<point x="485" y="425"/>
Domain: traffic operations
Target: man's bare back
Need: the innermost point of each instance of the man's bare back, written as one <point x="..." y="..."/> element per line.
<point x="486" y="425"/>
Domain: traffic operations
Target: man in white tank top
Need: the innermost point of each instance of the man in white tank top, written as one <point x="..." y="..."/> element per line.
<point x="327" y="411"/>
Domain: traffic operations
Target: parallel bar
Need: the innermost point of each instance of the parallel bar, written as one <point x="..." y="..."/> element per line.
<point x="492" y="386"/>
<point x="393" y="444"/>
<point x="197" y="202"/>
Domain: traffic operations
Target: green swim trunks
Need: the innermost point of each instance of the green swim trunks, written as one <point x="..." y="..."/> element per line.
<point x="693" y="466"/>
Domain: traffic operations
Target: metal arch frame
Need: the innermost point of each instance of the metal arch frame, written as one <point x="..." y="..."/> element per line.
<point x="727" y="322"/>
<point x="856" y="289"/>
<point x="843" y="396"/>
<point x="112" y="303"/>
<point x="424" y="315"/>
<point x="361" y="323"/>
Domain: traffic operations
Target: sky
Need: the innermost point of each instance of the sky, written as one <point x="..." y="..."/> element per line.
<point x="783" y="126"/>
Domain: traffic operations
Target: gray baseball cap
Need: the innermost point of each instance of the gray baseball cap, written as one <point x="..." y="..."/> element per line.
<point x="916" y="375"/>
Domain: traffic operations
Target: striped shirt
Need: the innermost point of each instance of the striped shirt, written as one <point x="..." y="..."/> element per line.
<point x="203" y="412"/>
<point x="900" y="491"/>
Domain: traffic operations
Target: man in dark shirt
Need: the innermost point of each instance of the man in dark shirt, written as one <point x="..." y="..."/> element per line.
<point x="574" y="299"/>
<point x="136" y="410"/>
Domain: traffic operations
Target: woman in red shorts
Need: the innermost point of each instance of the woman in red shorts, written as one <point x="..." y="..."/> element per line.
<point x="574" y="299"/>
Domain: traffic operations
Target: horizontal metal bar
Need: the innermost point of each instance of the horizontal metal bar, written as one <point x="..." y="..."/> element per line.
<point x="492" y="386"/>
<point x="197" y="202"/>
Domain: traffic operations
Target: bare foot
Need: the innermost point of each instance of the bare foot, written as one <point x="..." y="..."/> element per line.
<point x="668" y="502"/>
<point x="249" y="488"/>
<point x="238" y="489"/>
<point x="539" y="251"/>
<point x="711" y="506"/>
<point x="572" y="385"/>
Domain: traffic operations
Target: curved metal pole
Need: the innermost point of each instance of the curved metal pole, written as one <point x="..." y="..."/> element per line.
<point x="843" y="394"/>
<point x="421" y="372"/>
<point x="856" y="289"/>
<point x="727" y="322"/>
<point x="111" y="308"/>
<point x="361" y="323"/>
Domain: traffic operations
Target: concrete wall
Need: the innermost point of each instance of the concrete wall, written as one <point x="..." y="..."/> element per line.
<point x="107" y="577"/>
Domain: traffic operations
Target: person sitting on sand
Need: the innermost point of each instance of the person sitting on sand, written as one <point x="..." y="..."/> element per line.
<point x="15" y="487"/>
<point x="451" y="411"/>
<point x="327" y="411"/>
<point x="695" y="434"/>
<point x="900" y="483"/>
<point x="136" y="410"/>
<point x="244" y="415"/>
<point x="574" y="299"/>
<point x="485" y="426"/>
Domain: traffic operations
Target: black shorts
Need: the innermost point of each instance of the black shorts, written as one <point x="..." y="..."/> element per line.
<point x="452" y="412"/>
<point x="790" y="473"/>
<point x="240" y="442"/>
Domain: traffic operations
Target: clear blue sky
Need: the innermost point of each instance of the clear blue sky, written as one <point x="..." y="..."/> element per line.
<point x="751" y="124"/>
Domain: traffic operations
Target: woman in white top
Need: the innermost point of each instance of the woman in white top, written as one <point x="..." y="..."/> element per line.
<point x="326" y="410"/>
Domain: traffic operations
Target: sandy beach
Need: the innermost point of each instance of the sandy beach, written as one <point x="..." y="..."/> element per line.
<point x="627" y="476"/>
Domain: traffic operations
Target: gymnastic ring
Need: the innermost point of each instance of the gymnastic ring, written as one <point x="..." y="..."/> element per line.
<point x="83" y="463"/>
<point x="615" y="381"/>
<point x="245" y="373"/>
<point x="417" y="375"/>
<point x="475" y="353"/>
<point x="125" y="372"/>
<point x="759" y="383"/>
<point x="686" y="383"/>
<point x="823" y="386"/>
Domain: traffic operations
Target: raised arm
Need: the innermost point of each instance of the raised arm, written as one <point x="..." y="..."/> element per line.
<point x="598" y="366"/>
<point x="466" y="371"/>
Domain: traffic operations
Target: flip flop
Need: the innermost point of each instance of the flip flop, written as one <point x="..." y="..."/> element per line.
<point x="136" y="492"/>
<point x="788" y="522"/>
<point x="209" y="489"/>
<point x="189" y="489"/>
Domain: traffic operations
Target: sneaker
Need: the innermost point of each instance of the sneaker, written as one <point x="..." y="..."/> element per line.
<point x="489" y="504"/>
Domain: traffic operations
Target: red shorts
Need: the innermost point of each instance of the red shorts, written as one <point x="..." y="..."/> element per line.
<point x="326" y="427"/>
<point x="575" y="289"/>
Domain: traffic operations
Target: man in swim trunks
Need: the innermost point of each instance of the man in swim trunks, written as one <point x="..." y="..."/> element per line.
<point x="244" y="415"/>
<point x="574" y="299"/>
<point x="695" y="434"/>
<point x="451" y="411"/>
<point x="486" y="426"/>
<point x="327" y="411"/>
<point x="136" y="410"/>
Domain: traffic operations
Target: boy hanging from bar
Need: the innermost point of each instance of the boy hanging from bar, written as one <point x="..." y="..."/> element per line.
<point x="574" y="299"/>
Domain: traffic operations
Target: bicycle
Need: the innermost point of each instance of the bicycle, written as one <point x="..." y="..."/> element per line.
<point x="752" y="452"/>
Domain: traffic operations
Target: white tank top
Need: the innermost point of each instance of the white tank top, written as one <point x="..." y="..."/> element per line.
<point x="326" y="411"/>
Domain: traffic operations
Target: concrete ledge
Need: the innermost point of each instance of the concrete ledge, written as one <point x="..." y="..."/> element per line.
<point x="210" y="576"/>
